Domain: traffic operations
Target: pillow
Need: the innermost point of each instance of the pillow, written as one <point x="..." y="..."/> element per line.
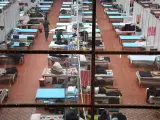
<point x="57" y="68"/>
<point x="71" y="89"/>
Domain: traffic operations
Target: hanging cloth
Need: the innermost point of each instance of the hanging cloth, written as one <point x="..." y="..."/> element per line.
<point x="85" y="78"/>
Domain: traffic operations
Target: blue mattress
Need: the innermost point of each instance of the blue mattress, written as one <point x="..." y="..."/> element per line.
<point x="26" y="30"/>
<point x="64" y="17"/>
<point x="4" y="2"/>
<point x="116" y="24"/>
<point x="87" y="2"/>
<point x="117" y="17"/>
<point x="112" y="13"/>
<point x="50" y="93"/>
<point x="129" y="37"/>
<point x="87" y="12"/>
<point x="131" y="45"/>
<point x="44" y="8"/>
<point x="107" y="5"/>
<point x="150" y="58"/>
<point x="15" y="44"/>
<point x="53" y="93"/>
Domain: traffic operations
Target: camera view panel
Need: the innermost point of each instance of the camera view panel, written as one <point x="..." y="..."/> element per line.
<point x="126" y="79"/>
<point x="128" y="26"/>
<point x="44" y="78"/>
<point x="47" y="25"/>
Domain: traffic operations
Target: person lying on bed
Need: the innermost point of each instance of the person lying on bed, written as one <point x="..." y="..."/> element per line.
<point x="128" y="27"/>
<point x="103" y="90"/>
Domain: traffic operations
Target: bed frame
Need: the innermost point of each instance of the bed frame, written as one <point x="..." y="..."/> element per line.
<point x="8" y="78"/>
<point x="6" y="60"/>
<point x="148" y="81"/>
<point x="102" y="98"/>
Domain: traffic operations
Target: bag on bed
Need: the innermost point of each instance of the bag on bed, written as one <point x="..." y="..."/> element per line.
<point x="11" y="70"/>
<point x="63" y="12"/>
<point x="57" y="68"/>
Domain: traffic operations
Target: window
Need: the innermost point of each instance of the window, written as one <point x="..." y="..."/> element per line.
<point x="82" y="77"/>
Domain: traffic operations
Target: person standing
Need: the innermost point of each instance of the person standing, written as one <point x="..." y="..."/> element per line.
<point x="46" y="28"/>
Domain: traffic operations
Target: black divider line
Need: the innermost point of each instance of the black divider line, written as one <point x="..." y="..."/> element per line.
<point x="93" y="57"/>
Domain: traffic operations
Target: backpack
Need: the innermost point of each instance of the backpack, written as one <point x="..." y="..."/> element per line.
<point x="63" y="11"/>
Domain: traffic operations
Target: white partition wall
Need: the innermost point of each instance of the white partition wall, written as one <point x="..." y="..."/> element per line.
<point x="9" y="19"/>
<point x="125" y="4"/>
<point x="157" y="37"/>
<point x="151" y="30"/>
<point x="2" y="32"/>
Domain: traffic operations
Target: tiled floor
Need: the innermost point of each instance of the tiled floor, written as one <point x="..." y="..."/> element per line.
<point x="24" y="89"/>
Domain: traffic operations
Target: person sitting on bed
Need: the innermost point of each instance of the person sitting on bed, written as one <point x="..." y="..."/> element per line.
<point x="103" y="90"/>
<point x="59" y="33"/>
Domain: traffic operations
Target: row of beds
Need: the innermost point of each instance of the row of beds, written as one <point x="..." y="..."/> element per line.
<point x="9" y="75"/>
<point x="128" y="39"/>
<point x="147" y="79"/>
<point x="22" y="38"/>
<point x="63" y="22"/>
<point x="107" y="76"/>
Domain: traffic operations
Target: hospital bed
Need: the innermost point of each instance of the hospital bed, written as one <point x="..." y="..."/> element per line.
<point x="23" y="38"/>
<point x="108" y="78"/>
<point x="107" y="5"/>
<point x="20" y="46"/>
<point x="46" y="3"/>
<point x="129" y="38"/>
<point x="66" y="6"/>
<point x="102" y="98"/>
<point x="65" y="36"/>
<point x="133" y="46"/>
<point x="110" y="10"/>
<point x="45" y="9"/>
<point x="113" y="13"/>
<point x="26" y="31"/>
<point x="7" y="78"/>
<point x="4" y="2"/>
<point x="66" y="73"/>
<point x="50" y="95"/>
<point x="116" y="18"/>
<point x="124" y="33"/>
<point x="72" y="59"/>
<point x="148" y="78"/>
<point x="4" y="59"/>
<point x="67" y="3"/>
<point x="68" y="18"/>
<point x="54" y="46"/>
<point x="44" y="6"/>
<point x="87" y="13"/>
<point x="65" y="24"/>
<point x="142" y="60"/>
<point x="99" y="45"/>
<point x="153" y="99"/>
<point x="103" y="62"/>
